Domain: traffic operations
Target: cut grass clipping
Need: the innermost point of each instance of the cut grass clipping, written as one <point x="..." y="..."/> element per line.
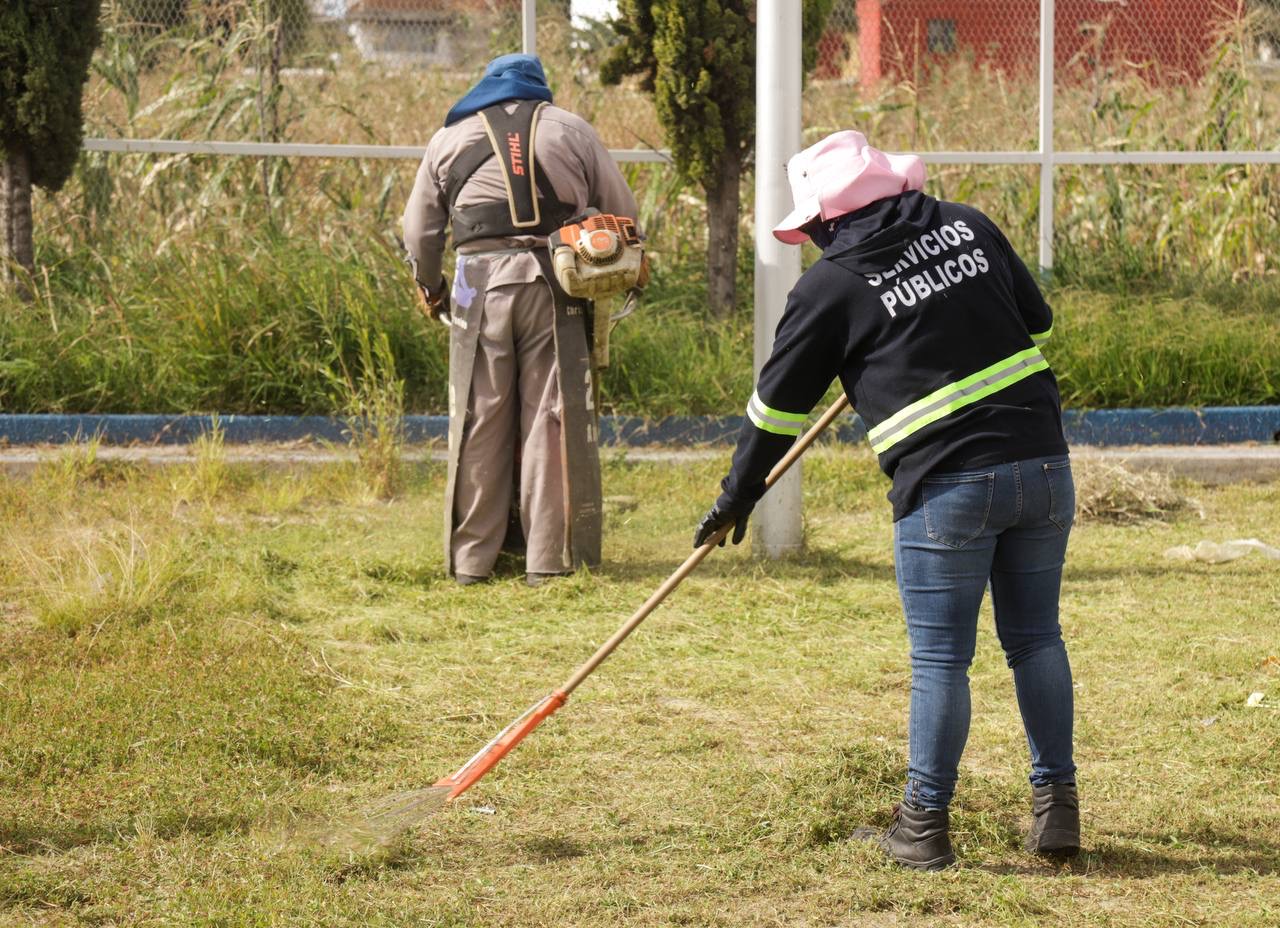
<point x="1110" y="492"/>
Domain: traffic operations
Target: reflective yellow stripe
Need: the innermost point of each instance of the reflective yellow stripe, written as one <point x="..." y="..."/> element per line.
<point x="777" y="413"/>
<point x="1039" y="338"/>
<point x="946" y="400"/>
<point x="774" y="420"/>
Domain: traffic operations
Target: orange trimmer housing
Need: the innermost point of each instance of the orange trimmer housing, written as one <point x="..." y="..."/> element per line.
<point x="593" y="237"/>
<point x="597" y="256"/>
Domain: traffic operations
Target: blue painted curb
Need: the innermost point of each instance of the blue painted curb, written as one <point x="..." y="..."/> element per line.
<point x="1212" y="425"/>
<point x="179" y="430"/>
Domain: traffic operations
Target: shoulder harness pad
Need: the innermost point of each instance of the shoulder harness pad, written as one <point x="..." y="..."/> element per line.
<point x="531" y="207"/>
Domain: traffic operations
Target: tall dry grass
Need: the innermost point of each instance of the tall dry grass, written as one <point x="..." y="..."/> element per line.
<point x="209" y="473"/>
<point x="91" y="579"/>
<point x="374" y="406"/>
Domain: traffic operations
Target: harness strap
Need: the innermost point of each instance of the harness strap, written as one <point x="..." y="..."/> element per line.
<point x="510" y="136"/>
<point x="463" y="167"/>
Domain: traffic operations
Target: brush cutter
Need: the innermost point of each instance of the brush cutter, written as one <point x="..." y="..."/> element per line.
<point x="421" y="803"/>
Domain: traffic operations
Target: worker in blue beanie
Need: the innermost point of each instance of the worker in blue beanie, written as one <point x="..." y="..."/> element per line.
<point x="508" y="169"/>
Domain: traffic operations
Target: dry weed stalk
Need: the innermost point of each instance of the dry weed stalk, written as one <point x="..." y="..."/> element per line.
<point x="207" y="476"/>
<point x="375" y="404"/>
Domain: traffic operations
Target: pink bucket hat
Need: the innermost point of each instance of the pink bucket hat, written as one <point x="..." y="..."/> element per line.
<point x="840" y="174"/>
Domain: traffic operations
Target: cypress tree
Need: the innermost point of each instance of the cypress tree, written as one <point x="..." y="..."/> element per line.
<point x="45" y="48"/>
<point x="698" y="59"/>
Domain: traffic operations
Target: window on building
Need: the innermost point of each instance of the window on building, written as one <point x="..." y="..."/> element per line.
<point x="940" y="34"/>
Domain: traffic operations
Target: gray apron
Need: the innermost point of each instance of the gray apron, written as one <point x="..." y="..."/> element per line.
<point x="579" y="426"/>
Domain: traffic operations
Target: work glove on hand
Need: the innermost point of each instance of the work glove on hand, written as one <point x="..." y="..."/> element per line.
<point x="726" y="511"/>
<point x="436" y="306"/>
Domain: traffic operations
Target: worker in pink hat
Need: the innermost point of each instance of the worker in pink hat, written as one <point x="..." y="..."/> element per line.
<point x="934" y="327"/>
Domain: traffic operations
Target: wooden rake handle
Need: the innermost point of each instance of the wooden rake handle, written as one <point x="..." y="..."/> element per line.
<point x="696" y="558"/>
<point x="489" y="755"/>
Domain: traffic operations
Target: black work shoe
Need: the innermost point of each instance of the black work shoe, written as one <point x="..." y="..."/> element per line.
<point x="468" y="579"/>
<point x="917" y="838"/>
<point x="1055" y="820"/>
<point x="539" y="579"/>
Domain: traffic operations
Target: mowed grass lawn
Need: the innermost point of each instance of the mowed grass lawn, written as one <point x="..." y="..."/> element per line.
<point x="194" y="660"/>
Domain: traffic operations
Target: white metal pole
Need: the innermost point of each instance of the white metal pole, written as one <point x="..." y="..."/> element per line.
<point x="777" y="523"/>
<point x="1046" y="135"/>
<point x="529" y="27"/>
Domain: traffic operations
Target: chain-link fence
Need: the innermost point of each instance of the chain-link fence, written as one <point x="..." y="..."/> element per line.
<point x="378" y="72"/>
<point x="929" y="75"/>
<point x="923" y="75"/>
<point x="1131" y="76"/>
<point x="1138" y="74"/>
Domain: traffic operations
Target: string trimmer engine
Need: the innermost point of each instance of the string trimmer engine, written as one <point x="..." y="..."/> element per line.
<point x="597" y="255"/>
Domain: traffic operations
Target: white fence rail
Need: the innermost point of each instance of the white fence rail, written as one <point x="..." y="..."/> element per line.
<point x="302" y="150"/>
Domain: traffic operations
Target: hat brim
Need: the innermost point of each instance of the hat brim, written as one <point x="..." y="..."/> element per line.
<point x="788" y="231"/>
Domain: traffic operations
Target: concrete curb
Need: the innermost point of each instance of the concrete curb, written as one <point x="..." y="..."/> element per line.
<point x="1212" y="425"/>
<point x="1212" y="464"/>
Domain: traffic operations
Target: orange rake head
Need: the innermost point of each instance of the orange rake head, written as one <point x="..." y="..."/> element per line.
<point x="488" y="756"/>
<point x="376" y="826"/>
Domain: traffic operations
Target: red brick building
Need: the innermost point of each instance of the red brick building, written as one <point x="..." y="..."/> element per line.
<point x="1168" y="39"/>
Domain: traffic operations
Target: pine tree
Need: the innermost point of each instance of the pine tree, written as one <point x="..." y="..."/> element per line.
<point x="698" y="59"/>
<point x="45" y="47"/>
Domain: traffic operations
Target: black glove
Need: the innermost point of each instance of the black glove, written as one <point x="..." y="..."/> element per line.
<point x="437" y="305"/>
<point x="726" y="511"/>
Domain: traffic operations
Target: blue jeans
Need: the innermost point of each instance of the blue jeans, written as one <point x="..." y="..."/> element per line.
<point x="1008" y="525"/>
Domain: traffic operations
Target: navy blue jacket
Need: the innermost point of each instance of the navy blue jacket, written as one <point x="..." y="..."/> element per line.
<point x="933" y="325"/>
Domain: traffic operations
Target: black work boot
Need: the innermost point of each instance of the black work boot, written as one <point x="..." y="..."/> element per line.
<point x="918" y="838"/>
<point x="1055" y="820"/>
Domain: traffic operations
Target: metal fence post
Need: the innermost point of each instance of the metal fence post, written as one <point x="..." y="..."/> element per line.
<point x="1046" y="136"/>
<point x="529" y="27"/>
<point x="777" y="524"/>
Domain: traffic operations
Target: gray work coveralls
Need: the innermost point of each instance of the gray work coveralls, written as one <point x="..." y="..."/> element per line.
<point x="505" y="389"/>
